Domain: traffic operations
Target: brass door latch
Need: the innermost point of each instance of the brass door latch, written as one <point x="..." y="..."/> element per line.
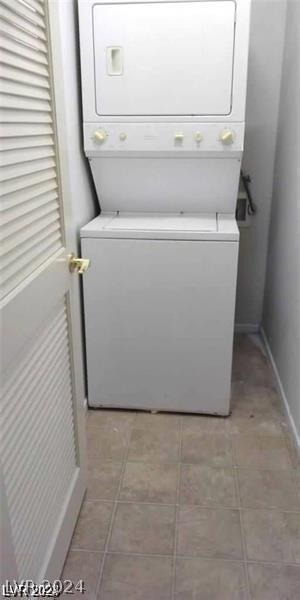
<point x="78" y="265"/>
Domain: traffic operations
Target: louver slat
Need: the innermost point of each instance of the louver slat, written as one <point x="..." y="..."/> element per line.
<point x="17" y="198"/>
<point x="29" y="90"/>
<point x="12" y="31"/>
<point x="42" y="224"/>
<point x="19" y="8"/>
<point x="16" y="226"/>
<point x="36" y="5"/>
<point x="10" y="72"/>
<point x="26" y="142"/>
<point x="23" y="117"/>
<point x="30" y="224"/>
<point x="25" y="207"/>
<point x="21" y="102"/>
<point x="8" y="14"/>
<point x="26" y="129"/>
<point x="38" y="467"/>
<point x="39" y="257"/>
<point x="13" y="256"/>
<point x="26" y="155"/>
<point x="14" y="51"/>
<point x="14" y="171"/>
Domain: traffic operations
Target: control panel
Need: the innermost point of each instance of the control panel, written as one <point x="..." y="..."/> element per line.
<point x="163" y="137"/>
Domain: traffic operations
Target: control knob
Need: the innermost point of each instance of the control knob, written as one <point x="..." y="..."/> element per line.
<point x="100" y="136"/>
<point x="227" y="136"/>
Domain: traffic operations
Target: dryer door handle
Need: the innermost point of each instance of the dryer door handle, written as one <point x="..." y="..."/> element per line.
<point x="114" y="60"/>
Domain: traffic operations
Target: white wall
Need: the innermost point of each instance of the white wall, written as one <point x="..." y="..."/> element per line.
<point x="83" y="199"/>
<point x="75" y="174"/>
<point x="282" y="299"/>
<point x="265" y="60"/>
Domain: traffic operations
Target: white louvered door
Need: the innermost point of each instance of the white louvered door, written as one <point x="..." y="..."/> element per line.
<point x="42" y="395"/>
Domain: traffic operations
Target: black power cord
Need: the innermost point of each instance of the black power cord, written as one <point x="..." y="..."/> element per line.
<point x="246" y="179"/>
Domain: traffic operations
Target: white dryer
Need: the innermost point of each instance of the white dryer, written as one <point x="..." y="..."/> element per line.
<point x="164" y="87"/>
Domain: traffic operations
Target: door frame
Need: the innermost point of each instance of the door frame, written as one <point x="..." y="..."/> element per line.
<point x="71" y="508"/>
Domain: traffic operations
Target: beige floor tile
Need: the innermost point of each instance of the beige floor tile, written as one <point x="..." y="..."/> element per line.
<point x="92" y="526"/>
<point x="272" y="535"/>
<point x="250" y="362"/>
<point x="143" y="528"/>
<point x="85" y="566"/>
<point x="103" y="478"/>
<point x="154" y="446"/>
<point x="274" y="582"/>
<point x="249" y="400"/>
<point x="256" y="410"/>
<point x="209" y="486"/>
<point x="146" y="482"/>
<point x="210" y="533"/>
<point x="158" y="422"/>
<point x="136" y="578"/>
<point x="111" y="418"/>
<point x="202" y="579"/>
<point x="206" y="448"/>
<point x="261" y="452"/>
<point x="268" y="489"/>
<point x="107" y="442"/>
<point x="256" y="425"/>
<point x="205" y="424"/>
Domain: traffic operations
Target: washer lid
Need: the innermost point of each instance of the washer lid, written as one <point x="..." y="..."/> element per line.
<point x="162" y="226"/>
<point x="162" y="222"/>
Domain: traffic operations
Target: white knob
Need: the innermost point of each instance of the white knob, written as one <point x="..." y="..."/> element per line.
<point x="227" y="136"/>
<point x="100" y="136"/>
<point x="198" y="137"/>
<point x="123" y="136"/>
<point x="178" y="137"/>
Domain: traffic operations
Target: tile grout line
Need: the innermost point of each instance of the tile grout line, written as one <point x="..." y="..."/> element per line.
<point x="239" y="506"/>
<point x="204" y="432"/>
<point x="192" y="557"/>
<point x="177" y="506"/>
<point x="114" y="510"/>
<point x="196" y="505"/>
<point x="290" y="469"/>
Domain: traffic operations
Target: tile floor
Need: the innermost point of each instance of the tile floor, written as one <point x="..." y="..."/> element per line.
<point x="185" y="507"/>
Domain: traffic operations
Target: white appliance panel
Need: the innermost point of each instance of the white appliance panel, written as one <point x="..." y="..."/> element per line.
<point x="164" y="58"/>
<point x="167" y="184"/>
<point x="177" y="138"/>
<point x="159" y="323"/>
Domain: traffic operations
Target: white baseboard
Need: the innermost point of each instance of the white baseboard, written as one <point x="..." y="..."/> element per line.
<point x="246" y="328"/>
<point x="281" y="391"/>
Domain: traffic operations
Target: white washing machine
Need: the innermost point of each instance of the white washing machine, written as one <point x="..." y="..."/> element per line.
<point x="164" y="87"/>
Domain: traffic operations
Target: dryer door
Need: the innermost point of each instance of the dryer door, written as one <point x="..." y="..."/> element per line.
<point x="164" y="58"/>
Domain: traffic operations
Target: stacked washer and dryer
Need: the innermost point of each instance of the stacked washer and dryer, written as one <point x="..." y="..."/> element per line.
<point x="164" y="90"/>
